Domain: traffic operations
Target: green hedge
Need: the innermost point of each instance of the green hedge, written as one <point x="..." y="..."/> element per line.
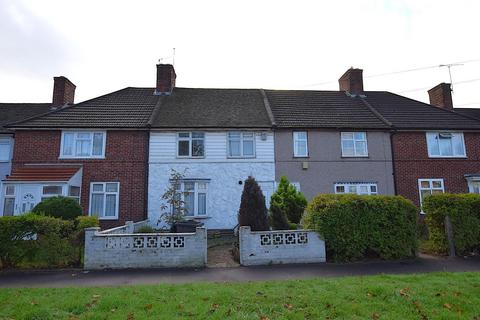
<point x="464" y="213"/>
<point x="34" y="240"/>
<point x="356" y="227"/>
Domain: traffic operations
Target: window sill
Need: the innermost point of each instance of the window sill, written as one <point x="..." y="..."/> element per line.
<point x="197" y="217"/>
<point x="107" y="218"/>
<point x="346" y="157"/>
<point x="181" y="157"/>
<point x="235" y="158"/>
<point x="81" y="158"/>
<point x="447" y="157"/>
<point x="301" y="157"/>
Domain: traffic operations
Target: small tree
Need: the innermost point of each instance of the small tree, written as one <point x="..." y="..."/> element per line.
<point x="289" y="200"/>
<point x="253" y="211"/>
<point x="173" y="207"/>
<point x="278" y="218"/>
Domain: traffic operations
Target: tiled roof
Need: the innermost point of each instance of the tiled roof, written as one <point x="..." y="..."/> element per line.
<point x="12" y="112"/>
<point x="212" y="108"/>
<point x="405" y="113"/>
<point x="57" y="174"/>
<point x="321" y="109"/>
<point x="126" y="108"/>
<point x="471" y="112"/>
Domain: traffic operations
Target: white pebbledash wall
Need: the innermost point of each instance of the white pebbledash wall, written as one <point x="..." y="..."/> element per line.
<point x="120" y="248"/>
<point x="278" y="247"/>
<point x="223" y="174"/>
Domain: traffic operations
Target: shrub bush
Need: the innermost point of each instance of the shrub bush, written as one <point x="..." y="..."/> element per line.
<point x="355" y="227"/>
<point x="253" y="211"/>
<point x="278" y="218"/>
<point x="29" y="237"/>
<point x="464" y="213"/>
<point x="59" y="207"/>
<point x="145" y="229"/>
<point x="290" y="201"/>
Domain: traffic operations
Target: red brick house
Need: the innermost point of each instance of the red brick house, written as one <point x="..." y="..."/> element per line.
<point x="434" y="148"/>
<point x="95" y="151"/>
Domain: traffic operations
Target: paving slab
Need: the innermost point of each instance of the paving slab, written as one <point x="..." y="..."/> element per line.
<point x="80" y="278"/>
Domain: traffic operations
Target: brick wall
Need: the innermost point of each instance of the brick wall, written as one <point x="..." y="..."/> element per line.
<point x="125" y="162"/>
<point x="411" y="163"/>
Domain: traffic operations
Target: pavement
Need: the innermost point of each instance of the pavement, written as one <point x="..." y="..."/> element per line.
<point x="80" y="278"/>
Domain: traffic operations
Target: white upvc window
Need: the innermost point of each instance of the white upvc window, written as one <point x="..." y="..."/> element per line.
<point x="354" y="144"/>
<point x="356" y="188"/>
<point x="74" y="193"/>
<point x="300" y="144"/>
<point x="49" y="191"/>
<point x="241" y="144"/>
<point x="83" y="144"/>
<point x="9" y="200"/>
<point x="191" y="144"/>
<point x="5" y="147"/>
<point x="428" y="187"/>
<point x="104" y="200"/>
<point x="445" y="144"/>
<point x="193" y="193"/>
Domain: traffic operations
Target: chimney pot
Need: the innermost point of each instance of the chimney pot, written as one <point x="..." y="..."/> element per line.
<point x="166" y="77"/>
<point x="63" y="91"/>
<point x="352" y="81"/>
<point x="441" y="96"/>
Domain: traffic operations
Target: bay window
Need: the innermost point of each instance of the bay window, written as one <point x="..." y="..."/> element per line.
<point x="83" y="144"/>
<point x="104" y="200"/>
<point x="241" y="144"/>
<point x="445" y="144"/>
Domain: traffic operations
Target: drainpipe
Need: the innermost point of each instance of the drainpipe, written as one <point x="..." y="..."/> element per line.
<point x="147" y="169"/>
<point x="393" y="163"/>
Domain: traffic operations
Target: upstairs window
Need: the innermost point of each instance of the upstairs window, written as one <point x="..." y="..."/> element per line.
<point x="83" y="144"/>
<point x="241" y="144"/>
<point x="445" y="144"/>
<point x="300" y="144"/>
<point x="5" y="150"/>
<point x="354" y="144"/>
<point x="356" y="188"/>
<point x="191" y="144"/>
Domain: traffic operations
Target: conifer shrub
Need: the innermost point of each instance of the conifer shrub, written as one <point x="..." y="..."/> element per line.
<point x="253" y="211"/>
<point x="357" y="227"/>
<point x="59" y="207"/>
<point x="290" y="201"/>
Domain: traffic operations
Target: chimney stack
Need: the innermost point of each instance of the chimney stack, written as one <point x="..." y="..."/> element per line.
<point x="63" y="92"/>
<point x="166" y="77"/>
<point x="352" y="81"/>
<point x="441" y="96"/>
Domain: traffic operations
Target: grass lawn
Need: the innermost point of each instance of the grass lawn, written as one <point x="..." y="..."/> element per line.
<point x="426" y="296"/>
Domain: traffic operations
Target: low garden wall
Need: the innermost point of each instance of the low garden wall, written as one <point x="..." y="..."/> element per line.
<point x="277" y="247"/>
<point x="121" y="248"/>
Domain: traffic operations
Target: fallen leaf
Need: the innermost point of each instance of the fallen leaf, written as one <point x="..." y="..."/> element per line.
<point x="215" y="306"/>
<point x="130" y="316"/>
<point x="264" y="318"/>
<point x="404" y="292"/>
<point x="288" y="306"/>
<point x="375" y="316"/>
<point x="96" y="296"/>
<point x="148" y="306"/>
<point x="457" y="294"/>
<point x="447" y="306"/>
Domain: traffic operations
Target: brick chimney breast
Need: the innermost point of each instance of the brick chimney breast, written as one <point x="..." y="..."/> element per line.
<point x="352" y="81"/>
<point x="441" y="96"/>
<point x="166" y="77"/>
<point x="63" y="92"/>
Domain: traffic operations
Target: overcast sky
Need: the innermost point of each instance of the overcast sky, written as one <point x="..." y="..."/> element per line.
<point x="103" y="46"/>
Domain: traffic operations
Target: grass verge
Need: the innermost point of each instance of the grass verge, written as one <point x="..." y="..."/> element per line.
<point x="425" y="296"/>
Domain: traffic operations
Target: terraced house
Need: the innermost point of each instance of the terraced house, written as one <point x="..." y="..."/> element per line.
<point x="115" y="153"/>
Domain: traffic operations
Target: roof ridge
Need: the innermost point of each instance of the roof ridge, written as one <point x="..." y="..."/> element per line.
<point x="266" y="103"/>
<point x="376" y="113"/>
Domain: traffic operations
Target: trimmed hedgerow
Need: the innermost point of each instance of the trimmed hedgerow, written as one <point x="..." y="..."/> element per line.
<point x="59" y="207"/>
<point x="464" y="213"/>
<point x="356" y="227"/>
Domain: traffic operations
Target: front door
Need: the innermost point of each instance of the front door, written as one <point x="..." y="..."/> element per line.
<point x="27" y="198"/>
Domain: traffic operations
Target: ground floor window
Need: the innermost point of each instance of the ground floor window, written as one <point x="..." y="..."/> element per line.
<point x="51" y="191"/>
<point x="74" y="193"/>
<point x="474" y="185"/>
<point x="9" y="200"/>
<point x="356" y="188"/>
<point x="428" y="187"/>
<point x="104" y="200"/>
<point x="193" y="193"/>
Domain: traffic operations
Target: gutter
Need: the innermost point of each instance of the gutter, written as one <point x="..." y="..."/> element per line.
<point x="392" y="133"/>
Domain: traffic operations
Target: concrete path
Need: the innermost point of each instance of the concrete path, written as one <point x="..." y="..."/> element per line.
<point x="71" y="278"/>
